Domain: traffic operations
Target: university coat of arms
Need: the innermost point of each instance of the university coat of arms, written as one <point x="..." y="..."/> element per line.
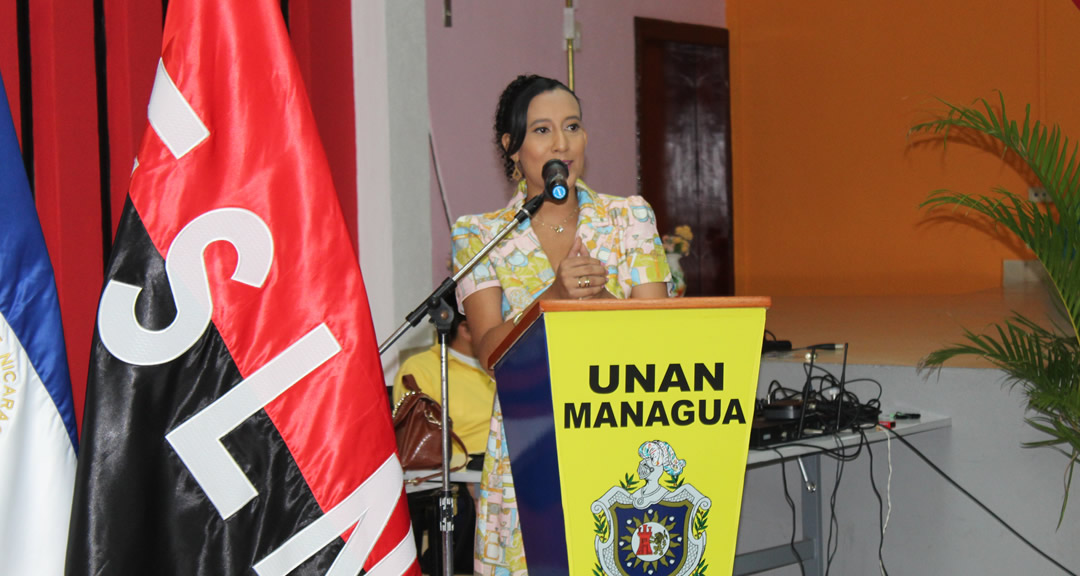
<point x="650" y="527"/>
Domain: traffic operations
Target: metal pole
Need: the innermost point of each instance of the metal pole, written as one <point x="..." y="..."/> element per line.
<point x="446" y="498"/>
<point x="570" y="48"/>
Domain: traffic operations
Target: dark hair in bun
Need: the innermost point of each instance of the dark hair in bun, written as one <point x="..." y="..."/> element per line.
<point x="512" y="112"/>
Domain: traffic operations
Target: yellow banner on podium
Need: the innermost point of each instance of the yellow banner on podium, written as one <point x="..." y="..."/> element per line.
<point x="649" y="420"/>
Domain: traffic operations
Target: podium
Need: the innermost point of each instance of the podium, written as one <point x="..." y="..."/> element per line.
<point x="628" y="426"/>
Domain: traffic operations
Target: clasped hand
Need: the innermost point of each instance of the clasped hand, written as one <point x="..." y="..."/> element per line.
<point x="579" y="275"/>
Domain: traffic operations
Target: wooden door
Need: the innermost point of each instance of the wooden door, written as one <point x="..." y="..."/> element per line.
<point x="684" y="143"/>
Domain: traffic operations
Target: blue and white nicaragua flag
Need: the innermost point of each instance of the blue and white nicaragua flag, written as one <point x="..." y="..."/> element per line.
<point x="38" y="440"/>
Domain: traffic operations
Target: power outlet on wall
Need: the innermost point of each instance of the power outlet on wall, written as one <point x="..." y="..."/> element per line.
<point x="1038" y="194"/>
<point x="1017" y="273"/>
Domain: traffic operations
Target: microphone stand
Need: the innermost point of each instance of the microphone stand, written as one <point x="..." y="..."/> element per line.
<point x="441" y="316"/>
<point x="806" y="394"/>
<point x="810" y="486"/>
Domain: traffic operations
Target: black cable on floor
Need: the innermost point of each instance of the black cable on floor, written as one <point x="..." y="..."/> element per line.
<point x="881" y="513"/>
<point x="841" y="454"/>
<point x="830" y="547"/>
<point x="794" y="517"/>
<point x="981" y="505"/>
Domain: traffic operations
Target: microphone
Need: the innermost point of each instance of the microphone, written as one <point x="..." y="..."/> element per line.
<point x="555" y="173"/>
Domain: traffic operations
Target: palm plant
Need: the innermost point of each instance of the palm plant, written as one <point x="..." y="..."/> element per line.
<point x="1044" y="363"/>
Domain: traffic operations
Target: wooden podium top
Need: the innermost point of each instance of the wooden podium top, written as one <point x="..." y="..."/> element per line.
<point x="596" y="304"/>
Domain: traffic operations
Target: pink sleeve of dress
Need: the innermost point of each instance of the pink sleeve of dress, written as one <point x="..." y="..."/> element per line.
<point x="467" y="238"/>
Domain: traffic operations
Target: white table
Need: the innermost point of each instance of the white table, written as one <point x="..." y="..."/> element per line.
<point x="811" y="547"/>
<point x="465" y="476"/>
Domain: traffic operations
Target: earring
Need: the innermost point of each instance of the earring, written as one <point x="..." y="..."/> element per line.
<point x="517" y="171"/>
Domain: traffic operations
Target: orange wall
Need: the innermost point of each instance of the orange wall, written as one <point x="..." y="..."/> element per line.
<point x="827" y="184"/>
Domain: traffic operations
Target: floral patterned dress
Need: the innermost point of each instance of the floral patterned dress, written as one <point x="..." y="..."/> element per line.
<point x="620" y="232"/>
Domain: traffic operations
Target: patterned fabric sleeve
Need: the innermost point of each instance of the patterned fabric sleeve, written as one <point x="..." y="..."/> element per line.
<point x="467" y="239"/>
<point x="642" y="245"/>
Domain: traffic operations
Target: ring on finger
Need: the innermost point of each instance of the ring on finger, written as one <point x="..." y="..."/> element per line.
<point x="588" y="281"/>
<point x="582" y="281"/>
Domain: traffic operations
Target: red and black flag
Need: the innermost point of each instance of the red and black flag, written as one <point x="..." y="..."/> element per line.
<point x="236" y="420"/>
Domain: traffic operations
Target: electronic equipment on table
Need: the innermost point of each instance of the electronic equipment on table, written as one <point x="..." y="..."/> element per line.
<point x="787" y="415"/>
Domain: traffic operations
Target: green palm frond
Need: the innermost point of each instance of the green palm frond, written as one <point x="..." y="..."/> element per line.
<point x="1022" y="349"/>
<point x="1045" y="364"/>
<point x="1052" y="234"/>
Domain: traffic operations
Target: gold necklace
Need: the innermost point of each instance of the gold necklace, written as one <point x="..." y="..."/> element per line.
<point x="558" y="229"/>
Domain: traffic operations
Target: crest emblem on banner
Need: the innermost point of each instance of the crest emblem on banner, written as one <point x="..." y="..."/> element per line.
<point x="649" y="525"/>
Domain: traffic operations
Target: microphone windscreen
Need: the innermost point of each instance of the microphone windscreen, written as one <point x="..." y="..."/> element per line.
<point x="553" y="168"/>
<point x="555" y="172"/>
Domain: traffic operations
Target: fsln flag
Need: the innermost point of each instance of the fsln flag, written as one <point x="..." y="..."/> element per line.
<point x="38" y="440"/>
<point x="236" y="419"/>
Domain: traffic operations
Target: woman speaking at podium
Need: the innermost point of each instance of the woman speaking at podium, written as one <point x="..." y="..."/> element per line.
<point x="588" y="245"/>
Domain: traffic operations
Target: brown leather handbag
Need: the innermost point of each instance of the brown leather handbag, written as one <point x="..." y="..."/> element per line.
<point x="418" y="428"/>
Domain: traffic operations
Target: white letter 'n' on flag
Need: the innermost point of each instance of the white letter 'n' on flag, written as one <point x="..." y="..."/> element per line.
<point x="198" y="440"/>
<point x="371" y="506"/>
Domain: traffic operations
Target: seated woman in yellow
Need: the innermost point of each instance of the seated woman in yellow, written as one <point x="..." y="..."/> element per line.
<point x="588" y="245"/>
<point x="471" y="388"/>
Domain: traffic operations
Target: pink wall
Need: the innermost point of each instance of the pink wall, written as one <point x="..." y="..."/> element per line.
<point x="488" y="45"/>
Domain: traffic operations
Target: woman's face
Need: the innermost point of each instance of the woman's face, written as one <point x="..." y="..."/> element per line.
<point x="553" y="130"/>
